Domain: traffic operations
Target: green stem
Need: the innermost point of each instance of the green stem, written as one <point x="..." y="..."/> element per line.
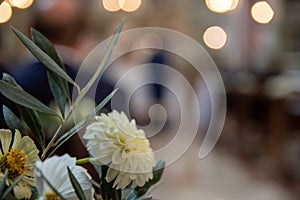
<point x="57" y="133"/>
<point x="83" y="161"/>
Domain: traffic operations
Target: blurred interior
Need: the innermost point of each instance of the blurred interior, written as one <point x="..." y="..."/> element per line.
<point x="258" y="154"/>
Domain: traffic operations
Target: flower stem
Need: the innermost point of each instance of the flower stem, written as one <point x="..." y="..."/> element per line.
<point x="57" y="133"/>
<point x="82" y="161"/>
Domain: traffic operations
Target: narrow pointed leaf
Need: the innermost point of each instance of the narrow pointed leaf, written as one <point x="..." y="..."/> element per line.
<point x="104" y="60"/>
<point x="58" y="86"/>
<point x="78" y="190"/>
<point x="3" y="181"/>
<point x="107" y="190"/>
<point x="58" y="94"/>
<point x="43" y="57"/>
<point x="20" y="97"/>
<point x="44" y="44"/>
<point x="30" y="117"/>
<point x="12" y="121"/>
<point x="82" y="123"/>
<point x="11" y="187"/>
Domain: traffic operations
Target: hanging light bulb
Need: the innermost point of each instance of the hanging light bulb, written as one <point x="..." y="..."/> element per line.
<point x="262" y="12"/>
<point x="22" y="4"/>
<point x="215" y="37"/>
<point x="111" y="5"/>
<point x="5" y="12"/>
<point x="130" y="5"/>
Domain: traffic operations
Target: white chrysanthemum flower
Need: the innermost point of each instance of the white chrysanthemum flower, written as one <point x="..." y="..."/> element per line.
<point x="18" y="155"/>
<point x="115" y="141"/>
<point x="55" y="171"/>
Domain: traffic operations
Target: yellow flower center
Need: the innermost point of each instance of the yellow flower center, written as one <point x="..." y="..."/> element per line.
<point x="15" y="162"/>
<point x="52" y="196"/>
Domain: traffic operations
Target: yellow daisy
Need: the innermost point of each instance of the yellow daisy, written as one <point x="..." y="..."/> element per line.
<point x="18" y="155"/>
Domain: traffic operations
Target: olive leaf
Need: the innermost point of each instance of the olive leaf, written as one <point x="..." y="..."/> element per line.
<point x="58" y="86"/>
<point x="107" y="189"/>
<point x="103" y="62"/>
<point x="78" y="190"/>
<point x="46" y="60"/>
<point x="28" y="115"/>
<point x="12" y="121"/>
<point x="22" y="98"/>
<point x="82" y="123"/>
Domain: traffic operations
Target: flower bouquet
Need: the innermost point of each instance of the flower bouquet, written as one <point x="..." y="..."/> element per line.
<point x="29" y="167"/>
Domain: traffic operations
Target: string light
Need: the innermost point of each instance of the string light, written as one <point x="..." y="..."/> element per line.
<point x="130" y="5"/>
<point x="125" y="5"/>
<point x="262" y="12"/>
<point x="22" y="4"/>
<point x="111" y="5"/>
<point x="215" y="37"/>
<point x="234" y="5"/>
<point x="5" y="12"/>
<point x="6" y="8"/>
<point x="219" y="6"/>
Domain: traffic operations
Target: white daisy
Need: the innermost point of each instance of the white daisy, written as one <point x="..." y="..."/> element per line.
<point x="54" y="170"/>
<point x="18" y="155"/>
<point x="116" y="141"/>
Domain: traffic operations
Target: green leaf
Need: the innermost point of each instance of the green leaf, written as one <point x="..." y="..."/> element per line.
<point x="49" y="184"/>
<point x="140" y="191"/>
<point x="30" y="117"/>
<point x="44" y="44"/>
<point x="58" y="86"/>
<point x="58" y="94"/>
<point x="82" y="123"/>
<point x="12" y="121"/>
<point x="11" y="187"/>
<point x="107" y="190"/>
<point x="103" y="62"/>
<point x="78" y="190"/>
<point x="20" y="97"/>
<point x="3" y="181"/>
<point x="46" y="60"/>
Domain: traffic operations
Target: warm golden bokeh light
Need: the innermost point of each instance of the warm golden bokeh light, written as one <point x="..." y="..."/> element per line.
<point x="219" y="6"/>
<point x="22" y="4"/>
<point x="262" y="12"/>
<point x="234" y="5"/>
<point x="130" y="5"/>
<point x="215" y="37"/>
<point x="5" y="12"/>
<point x="111" y="5"/>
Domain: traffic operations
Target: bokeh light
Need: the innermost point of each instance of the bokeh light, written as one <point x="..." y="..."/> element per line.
<point x="130" y="5"/>
<point x="219" y="6"/>
<point x="22" y="4"/>
<point x="111" y="5"/>
<point x="215" y="37"/>
<point x="5" y="12"/>
<point x="262" y="12"/>
<point x="234" y="5"/>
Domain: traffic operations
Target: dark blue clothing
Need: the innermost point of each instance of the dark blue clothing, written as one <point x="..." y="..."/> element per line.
<point x="33" y="79"/>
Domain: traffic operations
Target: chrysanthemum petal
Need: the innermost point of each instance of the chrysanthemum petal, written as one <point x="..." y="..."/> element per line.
<point x="5" y="138"/>
<point x="22" y="191"/>
<point x="116" y="140"/>
<point x="55" y="170"/>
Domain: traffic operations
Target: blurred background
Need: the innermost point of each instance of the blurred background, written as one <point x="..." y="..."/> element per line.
<point x="255" y="45"/>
